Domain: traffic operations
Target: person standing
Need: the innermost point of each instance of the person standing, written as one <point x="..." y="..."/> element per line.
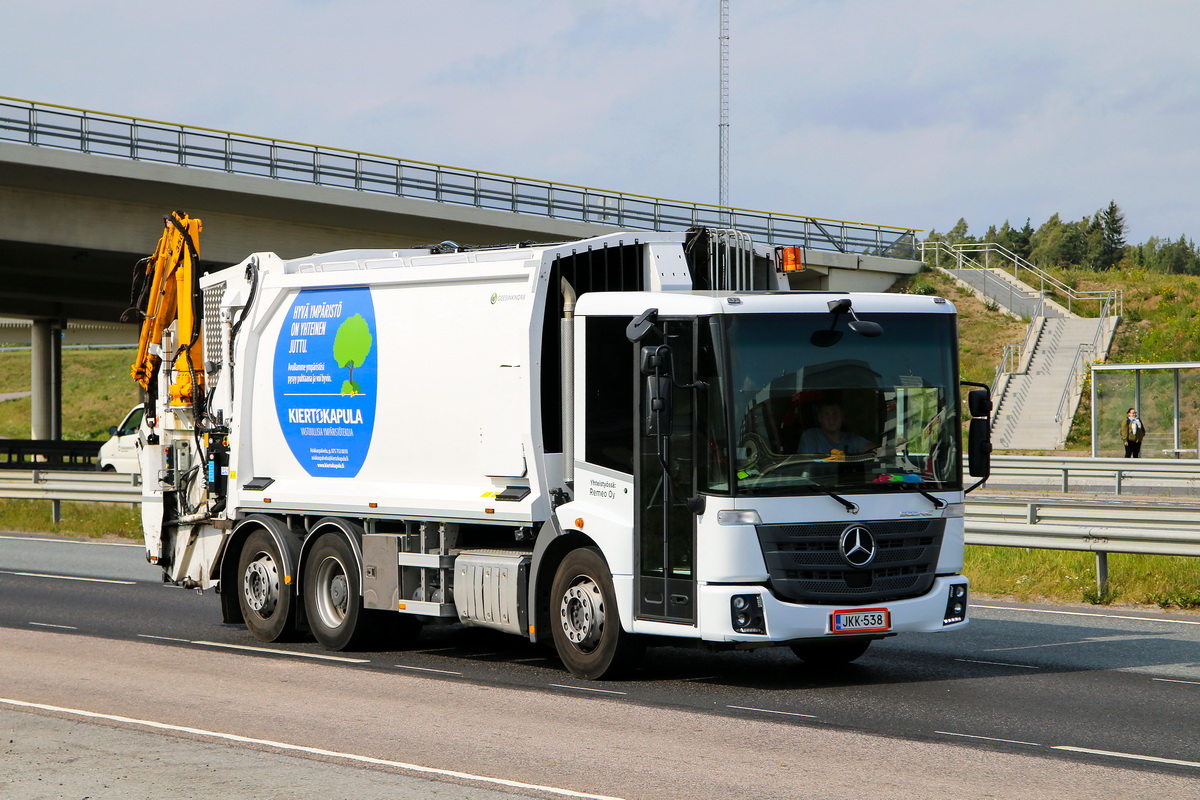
<point x="1132" y="433"/>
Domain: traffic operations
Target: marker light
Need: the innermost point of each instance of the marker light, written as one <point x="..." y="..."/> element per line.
<point x="732" y="516"/>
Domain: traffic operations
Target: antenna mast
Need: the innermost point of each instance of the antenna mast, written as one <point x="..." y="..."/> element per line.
<point x="723" y="190"/>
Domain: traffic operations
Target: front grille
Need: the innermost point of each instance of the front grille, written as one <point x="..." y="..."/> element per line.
<point x="807" y="566"/>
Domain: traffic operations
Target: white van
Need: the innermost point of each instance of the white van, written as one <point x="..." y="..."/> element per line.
<point x="119" y="453"/>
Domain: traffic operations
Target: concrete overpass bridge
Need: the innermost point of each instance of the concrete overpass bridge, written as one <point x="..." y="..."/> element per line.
<point x="83" y="193"/>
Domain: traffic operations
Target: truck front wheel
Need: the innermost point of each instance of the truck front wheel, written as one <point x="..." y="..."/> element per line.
<point x="586" y="625"/>
<point x="265" y="596"/>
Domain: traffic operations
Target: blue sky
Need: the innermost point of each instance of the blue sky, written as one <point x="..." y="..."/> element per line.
<point x="899" y="113"/>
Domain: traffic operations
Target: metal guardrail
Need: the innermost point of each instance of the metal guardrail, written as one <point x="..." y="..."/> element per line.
<point x="1090" y="474"/>
<point x="1100" y="528"/>
<point x="72" y="485"/>
<point x="98" y="133"/>
<point x="1055" y="524"/>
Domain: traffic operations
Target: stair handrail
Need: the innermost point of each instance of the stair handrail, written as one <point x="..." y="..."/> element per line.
<point x="963" y="252"/>
<point x="1073" y="386"/>
<point x="1011" y="356"/>
<point x="964" y="261"/>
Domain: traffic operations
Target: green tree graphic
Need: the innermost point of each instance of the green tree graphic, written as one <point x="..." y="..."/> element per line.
<point x="351" y="345"/>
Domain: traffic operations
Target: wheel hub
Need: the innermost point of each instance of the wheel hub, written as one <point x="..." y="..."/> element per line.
<point x="332" y="592"/>
<point x="582" y="614"/>
<point x="261" y="586"/>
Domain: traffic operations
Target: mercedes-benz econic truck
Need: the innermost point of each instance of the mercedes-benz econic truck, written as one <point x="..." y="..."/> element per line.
<point x="634" y="438"/>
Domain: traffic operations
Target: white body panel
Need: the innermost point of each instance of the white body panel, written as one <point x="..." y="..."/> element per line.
<point x="452" y="420"/>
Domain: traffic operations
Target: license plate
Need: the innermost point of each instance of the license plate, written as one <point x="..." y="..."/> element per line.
<point x="860" y="620"/>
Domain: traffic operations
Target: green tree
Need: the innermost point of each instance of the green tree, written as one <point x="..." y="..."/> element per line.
<point x="1058" y="243"/>
<point x="1112" y="236"/>
<point x="1177" y="258"/>
<point x="351" y="346"/>
<point x="958" y="233"/>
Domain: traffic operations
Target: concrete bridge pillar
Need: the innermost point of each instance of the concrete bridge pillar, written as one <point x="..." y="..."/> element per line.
<point x="46" y="379"/>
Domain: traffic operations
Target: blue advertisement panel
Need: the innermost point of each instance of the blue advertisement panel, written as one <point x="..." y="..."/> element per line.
<point x="327" y="379"/>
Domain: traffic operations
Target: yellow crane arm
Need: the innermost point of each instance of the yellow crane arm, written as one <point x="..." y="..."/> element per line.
<point x="168" y="294"/>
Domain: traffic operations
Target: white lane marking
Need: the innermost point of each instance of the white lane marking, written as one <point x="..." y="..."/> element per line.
<point x="66" y="577"/>
<point x="163" y="638"/>
<point x="772" y="711"/>
<point x="1133" y="756"/>
<point x="428" y="669"/>
<point x="1090" y="614"/>
<point x="996" y="663"/>
<point x="70" y="541"/>
<point x="232" y="737"/>
<point x="274" y="652"/>
<point x="988" y="738"/>
<point x="1172" y="680"/>
<point x="585" y="689"/>
<point x="1093" y="640"/>
<point x="52" y="625"/>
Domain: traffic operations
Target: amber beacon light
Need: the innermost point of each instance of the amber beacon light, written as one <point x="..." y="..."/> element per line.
<point x="789" y="259"/>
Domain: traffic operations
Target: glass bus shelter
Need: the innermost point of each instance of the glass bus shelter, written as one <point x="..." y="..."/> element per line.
<point x="1167" y="399"/>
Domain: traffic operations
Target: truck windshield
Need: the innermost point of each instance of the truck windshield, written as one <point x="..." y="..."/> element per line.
<point x="813" y="409"/>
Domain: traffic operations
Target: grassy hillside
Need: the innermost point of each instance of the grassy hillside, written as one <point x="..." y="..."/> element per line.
<point x="983" y="330"/>
<point x="97" y="392"/>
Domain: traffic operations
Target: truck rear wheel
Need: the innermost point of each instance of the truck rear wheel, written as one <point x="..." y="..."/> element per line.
<point x="333" y="595"/>
<point x="586" y="625"/>
<point x="265" y="596"/>
<point x="831" y="654"/>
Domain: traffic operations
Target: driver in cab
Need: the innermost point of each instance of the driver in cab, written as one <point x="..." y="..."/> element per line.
<point x="828" y="440"/>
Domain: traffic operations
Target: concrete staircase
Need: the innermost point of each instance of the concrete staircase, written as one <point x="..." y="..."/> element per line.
<point x="1035" y="402"/>
<point x="1034" y="406"/>
<point x="1014" y="296"/>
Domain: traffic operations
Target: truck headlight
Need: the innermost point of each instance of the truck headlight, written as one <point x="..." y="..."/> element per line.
<point x="746" y="613"/>
<point x="956" y="604"/>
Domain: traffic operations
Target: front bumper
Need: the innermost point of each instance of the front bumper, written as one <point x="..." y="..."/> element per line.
<point x="784" y="621"/>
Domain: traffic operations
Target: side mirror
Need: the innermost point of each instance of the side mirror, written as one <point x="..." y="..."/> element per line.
<point x="658" y="405"/>
<point x="866" y="328"/>
<point x="656" y="360"/>
<point x="979" y="447"/>
<point x="641" y="325"/>
<point x="979" y="434"/>
<point x="112" y="430"/>
<point x="979" y="403"/>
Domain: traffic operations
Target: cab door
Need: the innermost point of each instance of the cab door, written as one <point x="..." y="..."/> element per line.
<point x="665" y="576"/>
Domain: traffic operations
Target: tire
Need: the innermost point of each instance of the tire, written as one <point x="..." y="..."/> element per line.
<point x="333" y="595"/>
<point x="265" y="597"/>
<point x="831" y="654"/>
<point x="584" y="619"/>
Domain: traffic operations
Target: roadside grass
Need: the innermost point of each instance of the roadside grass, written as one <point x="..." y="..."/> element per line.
<point x="1169" y="582"/>
<point x="91" y="520"/>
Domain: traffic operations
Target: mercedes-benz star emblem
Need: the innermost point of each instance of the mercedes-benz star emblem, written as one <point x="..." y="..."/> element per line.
<point x="858" y="546"/>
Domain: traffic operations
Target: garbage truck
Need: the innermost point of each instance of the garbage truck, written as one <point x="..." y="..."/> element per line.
<point x="636" y="438"/>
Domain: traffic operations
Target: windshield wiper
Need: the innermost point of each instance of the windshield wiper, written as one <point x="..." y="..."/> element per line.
<point x="851" y="508"/>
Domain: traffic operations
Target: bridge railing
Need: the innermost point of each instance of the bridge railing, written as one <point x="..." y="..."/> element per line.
<point x="97" y="133"/>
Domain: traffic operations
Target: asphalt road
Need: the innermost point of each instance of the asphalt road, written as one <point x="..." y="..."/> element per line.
<point x="1028" y="701"/>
